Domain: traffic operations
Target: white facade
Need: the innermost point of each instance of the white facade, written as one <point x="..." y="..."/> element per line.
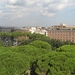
<point x="32" y="29"/>
<point x="44" y="32"/>
<point x="38" y="30"/>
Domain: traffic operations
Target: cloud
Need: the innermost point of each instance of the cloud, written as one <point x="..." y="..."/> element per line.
<point x="17" y="12"/>
<point x="21" y="8"/>
<point x="17" y="2"/>
<point x="69" y="14"/>
<point x="0" y="11"/>
<point x="46" y="13"/>
<point x="12" y="1"/>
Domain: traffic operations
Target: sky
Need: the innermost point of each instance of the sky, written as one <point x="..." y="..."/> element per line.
<point x="21" y="13"/>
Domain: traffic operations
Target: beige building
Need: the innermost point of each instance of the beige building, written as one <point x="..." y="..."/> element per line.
<point x="62" y="32"/>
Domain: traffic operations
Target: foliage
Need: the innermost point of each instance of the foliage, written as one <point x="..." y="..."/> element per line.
<point x="31" y="51"/>
<point x="36" y="55"/>
<point x="17" y="60"/>
<point x="55" y="64"/>
<point x="33" y="37"/>
<point x="66" y="48"/>
<point x="55" y="43"/>
<point x="2" y="43"/>
<point x="13" y="63"/>
<point x="41" y="44"/>
<point x="39" y="36"/>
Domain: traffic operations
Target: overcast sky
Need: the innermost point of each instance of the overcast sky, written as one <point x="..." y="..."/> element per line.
<point x="37" y="12"/>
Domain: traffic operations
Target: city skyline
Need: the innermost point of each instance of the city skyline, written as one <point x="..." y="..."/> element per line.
<point x="36" y="12"/>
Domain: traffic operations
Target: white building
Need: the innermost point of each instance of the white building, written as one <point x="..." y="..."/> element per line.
<point x="38" y="30"/>
<point x="32" y="30"/>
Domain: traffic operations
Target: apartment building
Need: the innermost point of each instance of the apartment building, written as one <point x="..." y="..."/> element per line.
<point x="62" y="32"/>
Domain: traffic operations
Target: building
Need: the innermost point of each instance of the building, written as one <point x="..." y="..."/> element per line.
<point x="38" y="30"/>
<point x="62" y="32"/>
<point x="32" y="30"/>
<point x="7" y="29"/>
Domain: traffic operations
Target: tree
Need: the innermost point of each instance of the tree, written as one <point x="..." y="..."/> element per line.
<point x="55" y="43"/>
<point x="66" y="48"/>
<point x="41" y="44"/>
